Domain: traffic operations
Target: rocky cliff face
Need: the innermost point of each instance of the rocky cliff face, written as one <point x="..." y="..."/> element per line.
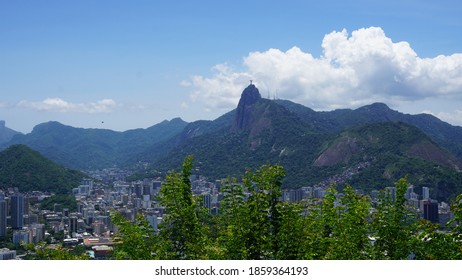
<point x="341" y="151"/>
<point x="243" y="118"/>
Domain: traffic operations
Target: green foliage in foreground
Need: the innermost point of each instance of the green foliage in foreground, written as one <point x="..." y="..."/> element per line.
<point x="136" y="239"/>
<point x="262" y="227"/>
<point x="43" y="251"/>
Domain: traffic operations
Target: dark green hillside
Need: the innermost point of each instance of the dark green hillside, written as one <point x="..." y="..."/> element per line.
<point x="27" y="170"/>
<point x="395" y="150"/>
<point x="135" y="145"/>
<point x="444" y="134"/>
<point x="196" y="129"/>
<point x="377" y="139"/>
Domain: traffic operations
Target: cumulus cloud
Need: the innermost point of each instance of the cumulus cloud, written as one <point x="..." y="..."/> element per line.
<point x="355" y="69"/>
<point x="62" y="106"/>
<point x="220" y="90"/>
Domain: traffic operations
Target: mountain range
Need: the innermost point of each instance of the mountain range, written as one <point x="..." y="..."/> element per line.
<point x="369" y="147"/>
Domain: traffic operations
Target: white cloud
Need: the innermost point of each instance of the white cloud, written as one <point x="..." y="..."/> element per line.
<point x="62" y="106"/>
<point x="221" y="90"/>
<point x="184" y="105"/>
<point x="453" y="117"/>
<point x="185" y="83"/>
<point x="354" y="70"/>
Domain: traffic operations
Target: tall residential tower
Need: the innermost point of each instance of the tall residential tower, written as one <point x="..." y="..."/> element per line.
<point x="17" y="211"/>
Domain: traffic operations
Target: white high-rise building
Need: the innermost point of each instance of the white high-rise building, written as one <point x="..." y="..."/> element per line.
<point x="425" y="193"/>
<point x="153" y="221"/>
<point x="21" y="235"/>
<point x="7" y="254"/>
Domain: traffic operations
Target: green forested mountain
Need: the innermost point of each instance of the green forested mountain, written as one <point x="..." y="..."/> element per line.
<point x="314" y="147"/>
<point x="264" y="132"/>
<point x="369" y="152"/>
<point x="446" y="135"/>
<point x="95" y="148"/>
<point x="27" y="170"/>
<point x="191" y="130"/>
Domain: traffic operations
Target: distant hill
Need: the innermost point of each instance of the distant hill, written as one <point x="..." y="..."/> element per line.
<point x="95" y="148"/>
<point x="27" y="170"/>
<point x="446" y="135"/>
<point x="6" y="133"/>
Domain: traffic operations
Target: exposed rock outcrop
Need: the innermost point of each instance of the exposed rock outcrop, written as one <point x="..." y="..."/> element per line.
<point x="243" y="119"/>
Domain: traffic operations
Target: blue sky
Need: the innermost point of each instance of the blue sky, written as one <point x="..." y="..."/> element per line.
<point x="128" y="64"/>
